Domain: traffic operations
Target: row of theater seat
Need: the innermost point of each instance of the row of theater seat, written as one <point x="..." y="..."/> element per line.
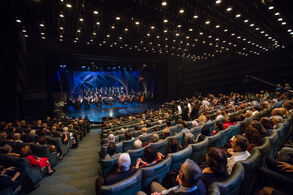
<point x="241" y="178"/>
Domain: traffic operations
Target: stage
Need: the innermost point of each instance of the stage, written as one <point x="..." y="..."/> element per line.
<point x="96" y="113"/>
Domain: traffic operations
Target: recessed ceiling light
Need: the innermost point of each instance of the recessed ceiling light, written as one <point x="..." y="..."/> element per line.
<point x="207" y="22"/>
<point x="43" y="37"/>
<point x="238" y="15"/>
<point x="117" y="18"/>
<point x="181" y="11"/>
<point x="201" y="33"/>
<point x="218" y="1"/>
<point x="42" y="25"/>
<point x="262" y="32"/>
<point x="277" y="13"/>
<point x="271" y="7"/>
<point x="251" y="25"/>
<point x="42" y="33"/>
<point x="177" y="34"/>
<point x="152" y="27"/>
<point x="126" y="29"/>
<point x="217" y="26"/>
<point x="23" y="30"/>
<point x="165" y="31"/>
<point x="137" y="23"/>
<point x="280" y="19"/>
<point x="78" y="30"/>
<point x="26" y="35"/>
<point x="289" y="30"/>
<point x="229" y="9"/>
<point x="81" y="19"/>
<point x="98" y="23"/>
<point x="179" y="26"/>
<point x="113" y="27"/>
<point x="190" y="29"/>
<point x="165" y="21"/>
<point x="68" y="5"/>
<point x="245" y="21"/>
<point x="96" y="12"/>
<point x="18" y="21"/>
<point x="94" y="33"/>
<point x="108" y="36"/>
<point x="283" y="23"/>
<point x="61" y="16"/>
<point x="195" y="16"/>
<point x="61" y="28"/>
<point x="164" y="3"/>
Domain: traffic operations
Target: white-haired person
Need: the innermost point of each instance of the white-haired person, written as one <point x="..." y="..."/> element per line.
<point x="123" y="171"/>
<point x="137" y="144"/>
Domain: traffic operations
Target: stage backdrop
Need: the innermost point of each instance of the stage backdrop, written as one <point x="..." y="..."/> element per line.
<point x="130" y="80"/>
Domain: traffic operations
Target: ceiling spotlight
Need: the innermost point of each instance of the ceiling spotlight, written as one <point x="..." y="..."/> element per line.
<point x="112" y="27"/>
<point x="152" y="27"/>
<point x="190" y="29"/>
<point x="43" y="37"/>
<point x="96" y="12"/>
<point x="26" y="35"/>
<point x="207" y="22"/>
<point x="61" y="28"/>
<point x="218" y="1"/>
<point x="165" y="31"/>
<point x="277" y="13"/>
<point x="108" y="36"/>
<point x="98" y="23"/>
<point x="61" y="16"/>
<point x="217" y="26"/>
<point x="120" y="38"/>
<point x="229" y="9"/>
<point x="262" y="32"/>
<point x="126" y="29"/>
<point x="201" y="33"/>
<point x="164" y="3"/>
<point x="94" y="33"/>
<point x="165" y="21"/>
<point x="283" y="23"/>
<point x="245" y="21"/>
<point x="251" y="25"/>
<point x="271" y="7"/>
<point x="78" y="30"/>
<point x="61" y="36"/>
<point x="195" y="16"/>
<point x="137" y="23"/>
<point x="42" y="33"/>
<point x="289" y="30"/>
<point x="117" y="18"/>
<point x="42" y="25"/>
<point x="238" y="15"/>
<point x="81" y="19"/>
<point x="18" y="21"/>
<point x="280" y="19"/>
<point x="68" y="5"/>
<point x="177" y="34"/>
<point x="225" y="30"/>
<point x="179" y="26"/>
<point x="181" y="11"/>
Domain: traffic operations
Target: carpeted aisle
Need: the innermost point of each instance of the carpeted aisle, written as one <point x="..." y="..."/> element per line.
<point x="77" y="172"/>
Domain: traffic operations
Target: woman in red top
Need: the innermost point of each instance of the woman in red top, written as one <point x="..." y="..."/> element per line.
<point x="230" y="121"/>
<point x="149" y="158"/>
<point x="36" y="161"/>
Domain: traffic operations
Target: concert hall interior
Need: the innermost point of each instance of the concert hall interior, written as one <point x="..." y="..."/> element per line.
<point x="146" y="97"/>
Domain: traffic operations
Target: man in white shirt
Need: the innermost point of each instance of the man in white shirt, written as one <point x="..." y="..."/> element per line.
<point x="219" y="115"/>
<point x="238" y="151"/>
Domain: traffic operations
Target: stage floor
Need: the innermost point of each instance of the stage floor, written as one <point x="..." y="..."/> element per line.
<point x="96" y="113"/>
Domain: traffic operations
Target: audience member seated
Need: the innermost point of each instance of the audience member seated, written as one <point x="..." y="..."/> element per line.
<point x="111" y="151"/>
<point x="43" y="141"/>
<point x="267" y="125"/>
<point x="173" y="145"/>
<point x="128" y="136"/>
<point x="230" y="121"/>
<point x="36" y="161"/>
<point x="202" y="119"/>
<point x="276" y="121"/>
<point x="238" y="152"/>
<point x="144" y="131"/>
<point x="165" y="133"/>
<point x="111" y="139"/>
<point x="219" y="115"/>
<point x="185" y="126"/>
<point x="218" y="127"/>
<point x="16" y="138"/>
<point x="149" y="158"/>
<point x="257" y="125"/>
<point x="217" y="167"/>
<point x="188" y="182"/>
<point x="205" y="131"/>
<point x="155" y="138"/>
<point x="189" y="139"/>
<point x="137" y="144"/>
<point x="253" y="136"/>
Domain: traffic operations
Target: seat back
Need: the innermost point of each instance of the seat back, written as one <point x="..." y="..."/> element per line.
<point x="250" y="165"/>
<point x="173" y="130"/>
<point x="129" y="186"/>
<point x="179" y="137"/>
<point x="146" y="138"/>
<point x="195" y="131"/>
<point x="159" y="171"/>
<point x="179" y="157"/>
<point x="215" y="140"/>
<point x="161" y="146"/>
<point x="264" y="150"/>
<point x="231" y="186"/>
<point x="127" y="145"/>
<point x="135" y="154"/>
<point x="275" y="143"/>
<point x="199" y="150"/>
<point x="108" y="164"/>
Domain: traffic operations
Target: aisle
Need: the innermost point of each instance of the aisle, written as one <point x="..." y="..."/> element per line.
<point x="77" y="172"/>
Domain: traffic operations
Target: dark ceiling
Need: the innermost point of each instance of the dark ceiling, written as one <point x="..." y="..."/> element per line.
<point x="194" y="29"/>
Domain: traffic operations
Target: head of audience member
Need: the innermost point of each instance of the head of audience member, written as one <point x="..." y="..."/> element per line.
<point x="165" y="133"/>
<point x="141" y="122"/>
<point x="278" y="111"/>
<point x="288" y="105"/>
<point x="219" y="126"/>
<point x="277" y="119"/>
<point x="160" y="122"/>
<point x="185" y="125"/>
<point x="16" y="137"/>
<point x="124" y="162"/>
<point x="248" y="113"/>
<point x="111" y="149"/>
<point x="189" y="174"/>
<point x="219" y="112"/>
<point x="156" y="129"/>
<point x="205" y="131"/>
<point x="149" y="154"/>
<point x="168" y="123"/>
<point x="3" y="135"/>
<point x="189" y="138"/>
<point x="202" y="119"/>
<point x="253" y="136"/>
<point x="144" y="130"/>
<point x="137" y="144"/>
<point x="42" y="140"/>
<point x="266" y="123"/>
<point x="155" y="138"/>
<point x="25" y="151"/>
<point x="239" y="143"/>
<point x="111" y="138"/>
<point x="217" y="161"/>
<point x="265" y="105"/>
<point x="128" y="136"/>
<point x="257" y="125"/>
<point x="65" y="129"/>
<point x="6" y="149"/>
<point x="173" y="145"/>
